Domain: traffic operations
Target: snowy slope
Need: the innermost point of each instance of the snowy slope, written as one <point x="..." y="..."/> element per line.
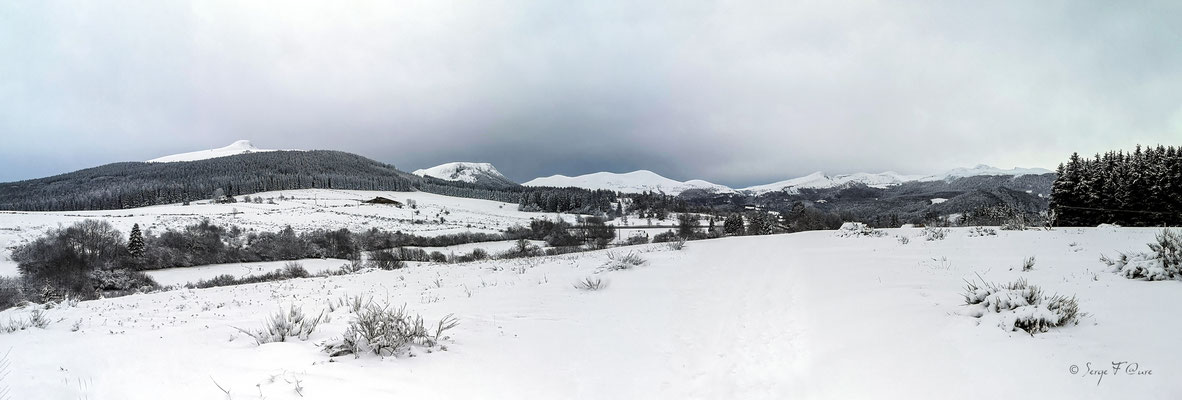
<point x="798" y="316"/>
<point x="631" y="182"/>
<point x="303" y="210"/>
<point x="984" y="170"/>
<point x="464" y="172"/>
<point x="818" y="180"/>
<point x="239" y="147"/>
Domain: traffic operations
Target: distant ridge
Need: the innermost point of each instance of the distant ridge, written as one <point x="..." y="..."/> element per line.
<point x="644" y="180"/>
<point x="630" y="182"/>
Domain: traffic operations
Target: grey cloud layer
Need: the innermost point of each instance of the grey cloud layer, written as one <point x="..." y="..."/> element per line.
<point x="735" y="93"/>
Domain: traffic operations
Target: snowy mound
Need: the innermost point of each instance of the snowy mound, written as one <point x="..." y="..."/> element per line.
<point x="631" y="182"/>
<point x="818" y="180"/>
<point x="984" y="170"/>
<point x="239" y="147"/>
<point x="462" y="171"/>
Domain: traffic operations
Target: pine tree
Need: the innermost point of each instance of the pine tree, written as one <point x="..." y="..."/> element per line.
<point x="135" y="243"/>
<point x="687" y="225"/>
<point x="733" y="226"/>
<point x="1132" y="189"/>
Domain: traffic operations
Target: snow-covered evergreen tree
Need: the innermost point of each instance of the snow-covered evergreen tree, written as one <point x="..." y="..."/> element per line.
<point x="135" y="242"/>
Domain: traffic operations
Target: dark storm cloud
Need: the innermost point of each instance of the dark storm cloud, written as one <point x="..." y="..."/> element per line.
<point x="735" y="93"/>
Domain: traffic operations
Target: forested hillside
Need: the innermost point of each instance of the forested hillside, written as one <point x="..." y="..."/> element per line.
<point x="137" y="184"/>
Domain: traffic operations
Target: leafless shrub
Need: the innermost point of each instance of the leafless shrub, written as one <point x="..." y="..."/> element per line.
<point x="386" y="331"/>
<point x="980" y="231"/>
<point x="590" y="284"/>
<point x="38" y="319"/>
<point x="617" y="262"/>
<point x="933" y="234"/>
<point x="280" y="326"/>
<point x="1028" y="264"/>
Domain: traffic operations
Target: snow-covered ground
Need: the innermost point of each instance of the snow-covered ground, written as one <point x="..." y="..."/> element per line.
<point x="492" y="248"/>
<point x="181" y="276"/>
<point x="808" y="315"/>
<point x="304" y="210"/>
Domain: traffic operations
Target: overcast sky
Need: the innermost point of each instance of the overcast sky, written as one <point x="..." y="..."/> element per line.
<point x="736" y="93"/>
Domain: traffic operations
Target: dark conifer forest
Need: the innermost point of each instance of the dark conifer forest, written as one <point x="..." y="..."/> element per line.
<point x="1138" y="188"/>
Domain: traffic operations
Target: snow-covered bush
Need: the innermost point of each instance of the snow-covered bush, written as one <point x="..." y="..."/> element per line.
<point x="636" y="239"/>
<point x="903" y="239"/>
<point x="979" y="231"/>
<point x="290" y="270"/>
<point x="121" y="279"/>
<point x="38" y="319"/>
<point x="590" y="284"/>
<point x="12" y="292"/>
<point x="386" y="331"/>
<point x="1163" y="263"/>
<point x="617" y="262"/>
<point x="522" y="248"/>
<point x="279" y="327"/>
<point x="1028" y="264"/>
<point x="477" y="254"/>
<point x="1021" y="305"/>
<point x="385" y="260"/>
<point x="932" y="234"/>
<point x="1016" y="224"/>
<point x="354" y="266"/>
<point x="665" y="237"/>
<point x="858" y="229"/>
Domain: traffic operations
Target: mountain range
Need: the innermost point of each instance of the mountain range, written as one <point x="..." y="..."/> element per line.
<point x="641" y="181"/>
<point x="242" y="169"/>
<point x="644" y="180"/>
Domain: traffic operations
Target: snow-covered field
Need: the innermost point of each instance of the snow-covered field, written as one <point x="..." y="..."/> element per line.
<point x="181" y="276"/>
<point x="492" y="248"/>
<point x="807" y="315"/>
<point x="304" y="210"/>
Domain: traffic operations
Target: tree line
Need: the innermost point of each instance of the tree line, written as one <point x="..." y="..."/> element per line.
<point x="1138" y="188"/>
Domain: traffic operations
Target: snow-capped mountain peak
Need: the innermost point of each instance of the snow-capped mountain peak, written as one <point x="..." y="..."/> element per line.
<point x="984" y="170"/>
<point x="470" y="172"/>
<point x="629" y="182"/>
<point x="819" y="180"/>
<point x="238" y="147"/>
